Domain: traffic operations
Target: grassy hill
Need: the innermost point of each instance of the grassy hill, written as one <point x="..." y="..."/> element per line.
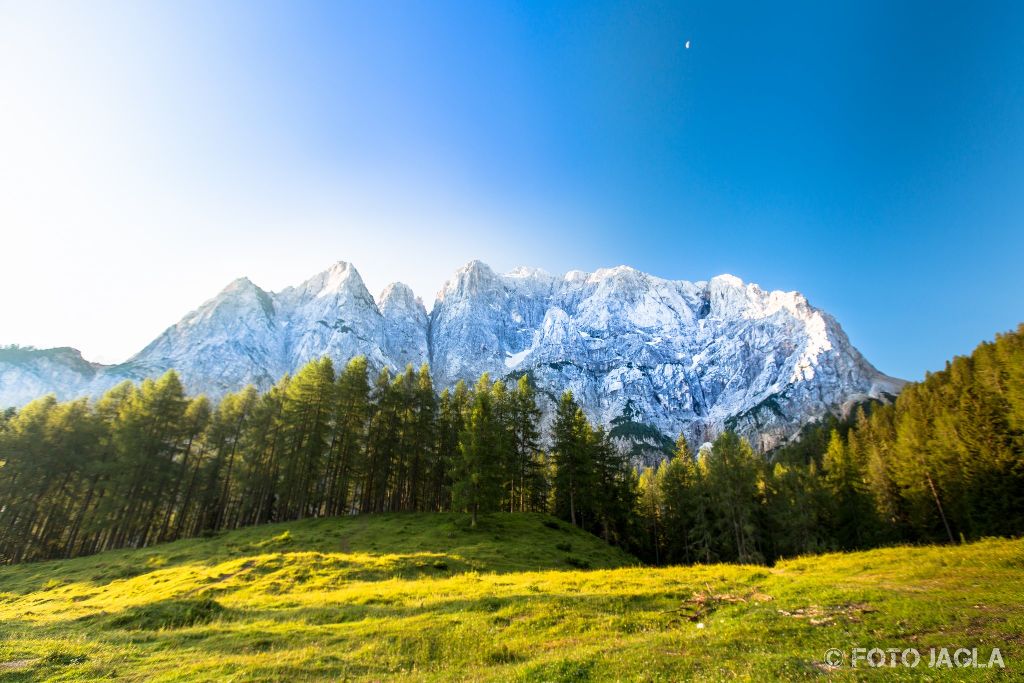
<point x="523" y="597"/>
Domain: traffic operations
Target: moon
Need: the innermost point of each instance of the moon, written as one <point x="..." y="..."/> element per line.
<point x="687" y="46"/>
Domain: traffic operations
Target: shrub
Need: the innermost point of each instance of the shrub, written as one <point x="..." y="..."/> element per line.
<point x="503" y="655"/>
<point x="64" y="658"/>
<point x="168" y="614"/>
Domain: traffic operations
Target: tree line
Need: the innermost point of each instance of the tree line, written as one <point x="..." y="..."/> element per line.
<point x="146" y="464"/>
<point x="943" y="463"/>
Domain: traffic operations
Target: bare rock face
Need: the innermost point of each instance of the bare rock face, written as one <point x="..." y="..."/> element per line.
<point x="405" y="326"/>
<point x="650" y="358"/>
<point x="27" y="374"/>
<point x="639" y="351"/>
<point x="230" y="341"/>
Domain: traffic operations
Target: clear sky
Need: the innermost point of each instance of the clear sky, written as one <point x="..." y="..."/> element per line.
<point x="868" y="154"/>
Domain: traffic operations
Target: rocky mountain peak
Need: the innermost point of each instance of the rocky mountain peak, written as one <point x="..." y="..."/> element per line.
<point x="240" y="293"/>
<point x="398" y="296"/>
<point x="528" y="273"/>
<point x="470" y="280"/>
<point x="340" y="281"/>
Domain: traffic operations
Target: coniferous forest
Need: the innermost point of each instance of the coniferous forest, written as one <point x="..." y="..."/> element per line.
<point x="147" y="464"/>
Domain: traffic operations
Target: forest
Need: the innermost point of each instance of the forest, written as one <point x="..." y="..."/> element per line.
<point x="146" y="463"/>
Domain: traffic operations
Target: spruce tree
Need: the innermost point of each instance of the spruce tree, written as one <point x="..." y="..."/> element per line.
<point x="348" y="435"/>
<point x="477" y="474"/>
<point x="733" y="473"/>
<point x="574" y="471"/>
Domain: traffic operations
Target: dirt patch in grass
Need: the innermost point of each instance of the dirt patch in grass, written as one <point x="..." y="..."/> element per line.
<point x="825" y="616"/>
<point x="17" y="664"/>
<point x="703" y="603"/>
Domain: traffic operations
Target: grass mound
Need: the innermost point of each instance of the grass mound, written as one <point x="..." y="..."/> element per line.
<point x="365" y="548"/>
<point x="166" y="614"/>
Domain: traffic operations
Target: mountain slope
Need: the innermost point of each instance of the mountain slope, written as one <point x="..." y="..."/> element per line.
<point x="230" y="341"/>
<point x="27" y="373"/>
<point x="681" y="356"/>
<point x="643" y="354"/>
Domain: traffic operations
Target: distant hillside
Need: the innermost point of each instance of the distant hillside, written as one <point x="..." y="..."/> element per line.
<point x="26" y="373"/>
<point x="421" y="597"/>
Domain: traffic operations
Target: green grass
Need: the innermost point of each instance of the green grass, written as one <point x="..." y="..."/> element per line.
<point x="523" y="597"/>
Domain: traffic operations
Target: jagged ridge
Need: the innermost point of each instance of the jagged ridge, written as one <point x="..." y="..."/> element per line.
<point x="682" y="357"/>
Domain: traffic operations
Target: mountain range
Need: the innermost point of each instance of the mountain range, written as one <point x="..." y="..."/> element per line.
<point x="648" y="357"/>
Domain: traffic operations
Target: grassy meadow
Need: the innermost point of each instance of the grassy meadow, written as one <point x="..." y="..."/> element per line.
<point x="422" y="597"/>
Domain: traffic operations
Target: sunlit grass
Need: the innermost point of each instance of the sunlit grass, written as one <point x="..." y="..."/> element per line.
<point x="423" y="597"/>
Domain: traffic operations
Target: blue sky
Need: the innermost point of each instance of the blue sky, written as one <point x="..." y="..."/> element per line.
<point x="868" y="154"/>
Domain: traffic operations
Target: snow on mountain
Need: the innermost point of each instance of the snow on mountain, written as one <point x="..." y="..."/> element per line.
<point x="649" y="357"/>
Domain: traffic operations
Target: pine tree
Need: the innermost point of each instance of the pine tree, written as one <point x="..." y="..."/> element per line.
<point x="217" y="473"/>
<point x="649" y="511"/>
<point x="452" y="409"/>
<point x="264" y="440"/>
<point x="527" y="489"/>
<point x="915" y="470"/>
<point x="732" y="471"/>
<point x="797" y="512"/>
<point x="195" y="422"/>
<point x="307" y="407"/>
<point x="148" y="439"/>
<point x="383" y="441"/>
<point x="477" y="474"/>
<point x="348" y="437"/>
<point x="574" y="470"/>
<point x="424" y="442"/>
<point x="678" y="481"/>
<point x="615" y="489"/>
<point x="851" y="515"/>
